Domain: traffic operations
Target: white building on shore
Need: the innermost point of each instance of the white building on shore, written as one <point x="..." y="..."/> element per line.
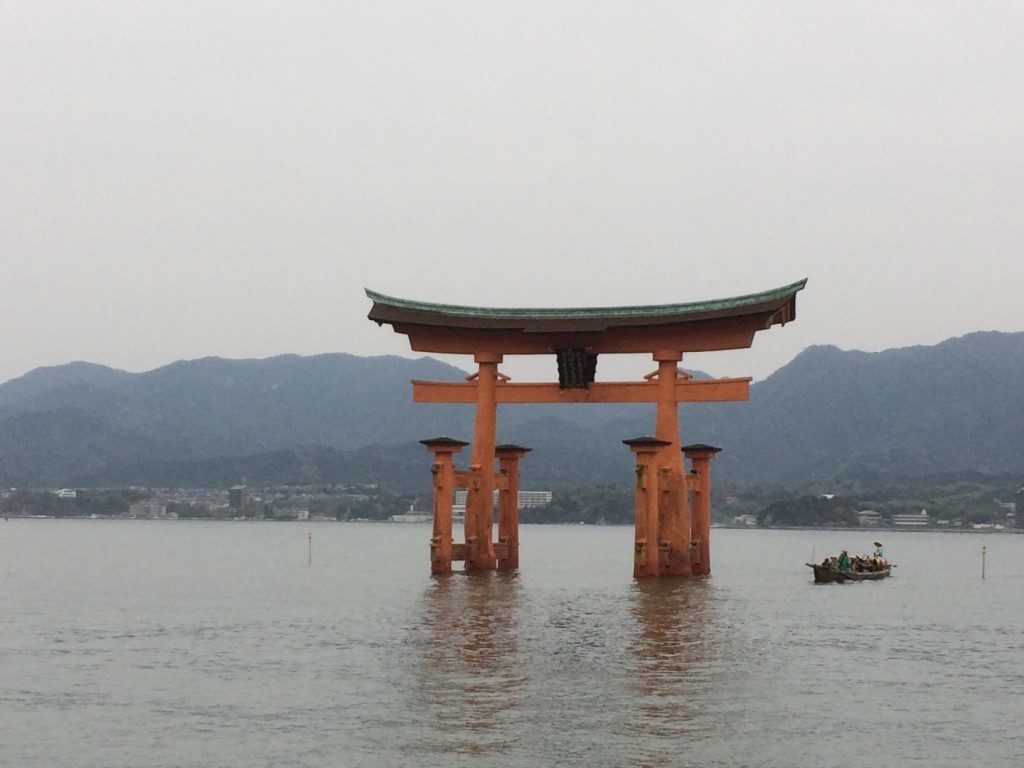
<point x="918" y="520"/>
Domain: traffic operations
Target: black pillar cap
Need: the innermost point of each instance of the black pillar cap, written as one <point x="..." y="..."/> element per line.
<point x="700" y="447"/>
<point x="441" y="442"/>
<point x="646" y="442"/>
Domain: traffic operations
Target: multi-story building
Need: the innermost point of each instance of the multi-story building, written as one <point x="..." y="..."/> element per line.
<point x="236" y="499"/>
<point x="149" y="509"/>
<point x="527" y="499"/>
<point x="868" y="518"/>
<point x="914" y="520"/>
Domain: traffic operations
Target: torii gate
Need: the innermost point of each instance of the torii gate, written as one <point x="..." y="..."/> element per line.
<point x="669" y="539"/>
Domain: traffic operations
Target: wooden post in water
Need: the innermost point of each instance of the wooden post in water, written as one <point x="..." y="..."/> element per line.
<point x="673" y="507"/>
<point x="646" y="539"/>
<point x="480" y="495"/>
<point x="699" y="485"/>
<point x="508" y="505"/>
<point x="443" y="472"/>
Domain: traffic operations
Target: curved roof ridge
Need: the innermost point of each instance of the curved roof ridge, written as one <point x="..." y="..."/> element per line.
<point x="647" y="310"/>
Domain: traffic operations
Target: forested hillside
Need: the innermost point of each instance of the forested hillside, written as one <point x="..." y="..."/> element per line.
<point x="829" y="417"/>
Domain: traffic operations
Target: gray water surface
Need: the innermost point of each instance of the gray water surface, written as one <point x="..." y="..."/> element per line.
<point x="173" y="643"/>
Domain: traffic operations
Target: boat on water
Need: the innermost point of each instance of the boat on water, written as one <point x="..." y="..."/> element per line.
<point x="858" y="568"/>
<point x="829" y="571"/>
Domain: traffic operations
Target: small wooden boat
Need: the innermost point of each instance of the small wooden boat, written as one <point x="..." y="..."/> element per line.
<point x="830" y="572"/>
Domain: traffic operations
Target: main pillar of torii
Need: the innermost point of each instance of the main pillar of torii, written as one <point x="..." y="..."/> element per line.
<point x="576" y="337"/>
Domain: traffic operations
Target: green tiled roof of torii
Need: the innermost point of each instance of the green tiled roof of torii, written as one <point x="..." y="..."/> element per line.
<point x="388" y="309"/>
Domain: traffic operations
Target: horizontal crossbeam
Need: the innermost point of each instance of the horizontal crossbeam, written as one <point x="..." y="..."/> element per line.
<point x="687" y="391"/>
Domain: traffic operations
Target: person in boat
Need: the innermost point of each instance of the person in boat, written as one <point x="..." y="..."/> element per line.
<point x="879" y="556"/>
<point x="844" y="561"/>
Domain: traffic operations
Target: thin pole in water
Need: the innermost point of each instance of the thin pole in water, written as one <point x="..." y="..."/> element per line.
<point x="310" y="537"/>
<point x="983" y="563"/>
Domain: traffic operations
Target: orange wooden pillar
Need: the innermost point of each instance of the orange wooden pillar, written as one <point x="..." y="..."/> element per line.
<point x="699" y="484"/>
<point x="673" y="509"/>
<point x="508" y="505"/>
<point x="646" y="540"/>
<point x="443" y="471"/>
<point x="480" y="494"/>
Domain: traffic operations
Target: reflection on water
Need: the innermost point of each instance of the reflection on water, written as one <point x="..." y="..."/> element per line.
<point x="582" y="675"/>
<point x="671" y="667"/>
<point x="468" y="666"/>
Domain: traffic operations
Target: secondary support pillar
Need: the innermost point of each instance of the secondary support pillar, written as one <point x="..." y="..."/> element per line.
<point x="699" y="483"/>
<point x="443" y="448"/>
<point x="508" y="505"/>
<point x="480" y="495"/>
<point x="673" y="509"/>
<point x="646" y="540"/>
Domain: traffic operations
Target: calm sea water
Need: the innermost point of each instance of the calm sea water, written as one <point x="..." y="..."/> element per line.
<point x="149" y="643"/>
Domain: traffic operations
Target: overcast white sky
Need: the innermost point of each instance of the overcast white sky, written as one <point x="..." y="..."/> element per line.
<point x="183" y="179"/>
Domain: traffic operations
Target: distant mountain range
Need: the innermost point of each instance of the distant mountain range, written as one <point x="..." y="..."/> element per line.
<point x="828" y="416"/>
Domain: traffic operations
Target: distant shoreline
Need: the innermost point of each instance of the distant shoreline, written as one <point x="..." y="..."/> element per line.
<point x="922" y="529"/>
